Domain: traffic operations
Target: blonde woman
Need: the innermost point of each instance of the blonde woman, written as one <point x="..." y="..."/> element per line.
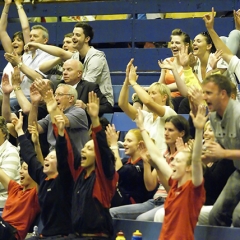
<point x="157" y="100"/>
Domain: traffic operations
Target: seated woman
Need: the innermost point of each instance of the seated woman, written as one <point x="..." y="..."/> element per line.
<point x="178" y="39"/>
<point x="19" y="39"/>
<point x="131" y="188"/>
<point x="175" y="127"/>
<point x="157" y="100"/>
<point x="185" y="180"/>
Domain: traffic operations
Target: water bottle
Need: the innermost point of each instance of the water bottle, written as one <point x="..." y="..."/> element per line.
<point x="137" y="235"/>
<point x="35" y="231"/>
<point x="120" y="236"/>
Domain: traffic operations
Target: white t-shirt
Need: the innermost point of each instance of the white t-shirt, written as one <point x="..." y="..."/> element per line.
<point x="156" y="128"/>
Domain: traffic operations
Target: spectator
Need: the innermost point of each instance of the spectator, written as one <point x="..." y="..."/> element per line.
<point x="157" y="100"/>
<point x="53" y="67"/>
<point x="95" y="180"/>
<point x="131" y="188"/>
<point x="224" y="119"/>
<point x="65" y="99"/>
<point x="185" y="179"/>
<point x="175" y="127"/>
<point x="16" y="44"/>
<point x="31" y="59"/>
<point x="21" y="207"/>
<point x="178" y="40"/>
<point x="55" y="186"/>
<point x="9" y="160"/>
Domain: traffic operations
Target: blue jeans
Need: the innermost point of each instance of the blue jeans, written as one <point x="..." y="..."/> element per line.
<point x="226" y="210"/>
<point x="139" y="211"/>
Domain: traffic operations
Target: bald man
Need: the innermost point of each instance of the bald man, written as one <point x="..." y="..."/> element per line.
<point x="72" y="75"/>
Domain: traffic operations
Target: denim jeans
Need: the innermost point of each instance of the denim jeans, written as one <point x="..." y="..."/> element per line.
<point x="226" y="210"/>
<point x="139" y="211"/>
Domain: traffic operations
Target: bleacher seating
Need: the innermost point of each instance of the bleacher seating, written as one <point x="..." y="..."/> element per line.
<point x="131" y="31"/>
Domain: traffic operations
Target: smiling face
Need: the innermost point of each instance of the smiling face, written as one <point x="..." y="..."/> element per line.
<point x="25" y="180"/>
<point x="50" y="164"/>
<point x="156" y="95"/>
<point x="171" y="134"/>
<point x="130" y="144"/>
<point x="208" y="133"/>
<point x="176" y="44"/>
<point x="88" y="156"/>
<point x="18" y="45"/>
<point x="200" y="45"/>
<point x="179" y="165"/>
<point x="79" y="39"/>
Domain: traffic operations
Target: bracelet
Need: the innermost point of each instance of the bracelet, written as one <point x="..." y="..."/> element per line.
<point x="20" y="65"/>
<point x="19" y="7"/>
<point x="17" y="88"/>
<point x="114" y="147"/>
<point x="134" y="84"/>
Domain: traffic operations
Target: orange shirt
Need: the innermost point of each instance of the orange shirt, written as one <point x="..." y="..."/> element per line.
<point x="182" y="208"/>
<point x="21" y="208"/>
<point x="169" y="78"/>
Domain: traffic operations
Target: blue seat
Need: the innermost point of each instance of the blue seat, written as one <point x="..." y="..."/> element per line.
<point x="122" y="122"/>
<point x="108" y="116"/>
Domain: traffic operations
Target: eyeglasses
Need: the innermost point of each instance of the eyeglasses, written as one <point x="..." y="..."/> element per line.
<point x="61" y="94"/>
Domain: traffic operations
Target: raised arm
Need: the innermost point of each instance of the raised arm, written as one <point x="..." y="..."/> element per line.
<point x="112" y="137"/>
<point x="143" y="95"/>
<point x="149" y="175"/>
<point x="4" y="179"/>
<point x="16" y="60"/>
<point x="155" y="154"/>
<point x="219" y="44"/>
<point x="52" y="50"/>
<point x="104" y="155"/>
<point x="22" y="100"/>
<point x="23" y="20"/>
<point x="49" y="64"/>
<point x="6" y="40"/>
<point x="35" y="99"/>
<point x="199" y="122"/>
<point x="181" y="86"/>
<point x="33" y="130"/>
<point x="123" y="96"/>
<point x="7" y="89"/>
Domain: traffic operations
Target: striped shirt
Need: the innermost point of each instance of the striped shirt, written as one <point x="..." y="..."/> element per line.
<point x="10" y="164"/>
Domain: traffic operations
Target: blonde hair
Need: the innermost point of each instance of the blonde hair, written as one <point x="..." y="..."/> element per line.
<point x="137" y="134"/>
<point x="163" y="90"/>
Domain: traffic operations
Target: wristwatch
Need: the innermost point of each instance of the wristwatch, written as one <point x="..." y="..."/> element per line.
<point x="17" y="88"/>
<point x="20" y="65"/>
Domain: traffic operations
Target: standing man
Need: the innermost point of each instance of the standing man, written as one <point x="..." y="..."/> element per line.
<point x="224" y="117"/>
